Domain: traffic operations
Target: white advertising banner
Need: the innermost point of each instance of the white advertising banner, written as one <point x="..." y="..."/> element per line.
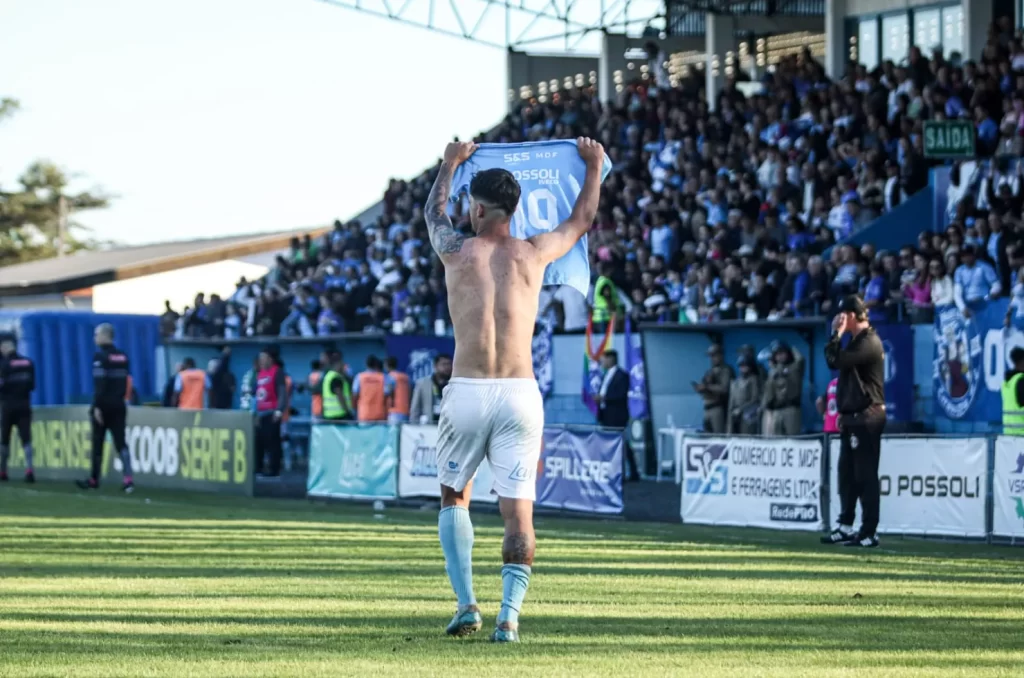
<point x="753" y="482"/>
<point x="929" y="486"/>
<point x="1008" y="487"/>
<point x="417" y="466"/>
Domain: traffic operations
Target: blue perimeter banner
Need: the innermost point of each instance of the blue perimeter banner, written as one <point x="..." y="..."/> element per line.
<point x="898" y="341"/>
<point x="581" y="471"/>
<point x="971" y="359"/>
<point x="353" y="461"/>
<point x="416" y="353"/>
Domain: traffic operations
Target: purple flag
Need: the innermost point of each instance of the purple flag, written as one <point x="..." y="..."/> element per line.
<point x="592" y="378"/>
<point x="637" y="374"/>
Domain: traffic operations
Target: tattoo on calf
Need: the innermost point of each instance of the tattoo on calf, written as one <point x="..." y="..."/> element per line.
<point x="518" y="547"/>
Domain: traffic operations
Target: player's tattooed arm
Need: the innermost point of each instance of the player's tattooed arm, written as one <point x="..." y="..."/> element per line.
<point x="443" y="236"/>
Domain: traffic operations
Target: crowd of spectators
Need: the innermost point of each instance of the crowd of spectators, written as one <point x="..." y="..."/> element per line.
<point x="730" y="213"/>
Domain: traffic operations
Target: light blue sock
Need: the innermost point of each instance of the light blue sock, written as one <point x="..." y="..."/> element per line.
<point x="29" y="457"/>
<point x="456" y="532"/>
<point x="515" y="579"/>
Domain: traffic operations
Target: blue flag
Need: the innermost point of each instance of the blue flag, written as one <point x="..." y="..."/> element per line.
<point x="550" y="174"/>
<point x="637" y="374"/>
<point x="543" y="369"/>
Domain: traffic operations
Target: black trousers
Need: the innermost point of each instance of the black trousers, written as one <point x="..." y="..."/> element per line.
<point x="114" y="419"/>
<point x="15" y="416"/>
<point x="860" y="447"/>
<point x="268" y="445"/>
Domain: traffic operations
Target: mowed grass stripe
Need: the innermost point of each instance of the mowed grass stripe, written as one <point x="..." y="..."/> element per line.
<point x="206" y="586"/>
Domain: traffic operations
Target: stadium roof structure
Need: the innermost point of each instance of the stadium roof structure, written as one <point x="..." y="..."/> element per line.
<point x="86" y="269"/>
<point x="539" y="26"/>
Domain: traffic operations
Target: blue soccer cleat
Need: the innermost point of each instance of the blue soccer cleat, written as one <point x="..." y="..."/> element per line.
<point x="465" y="623"/>
<point x="508" y="634"/>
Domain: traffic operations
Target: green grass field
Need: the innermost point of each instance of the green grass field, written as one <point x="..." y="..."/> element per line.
<point x="189" y="585"/>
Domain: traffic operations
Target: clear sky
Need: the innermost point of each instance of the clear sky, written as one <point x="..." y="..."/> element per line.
<point x="214" y="117"/>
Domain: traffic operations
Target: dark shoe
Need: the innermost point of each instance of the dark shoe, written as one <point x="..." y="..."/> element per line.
<point x="128" y="488"/>
<point x="838" y="536"/>
<point x="863" y="542"/>
<point x="88" y="484"/>
<point x="3" y="477"/>
<point x="30" y="477"/>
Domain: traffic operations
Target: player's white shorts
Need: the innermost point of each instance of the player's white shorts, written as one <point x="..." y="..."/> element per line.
<point x="500" y="419"/>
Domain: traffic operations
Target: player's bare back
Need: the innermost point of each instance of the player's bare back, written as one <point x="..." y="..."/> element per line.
<point x="493" y="293"/>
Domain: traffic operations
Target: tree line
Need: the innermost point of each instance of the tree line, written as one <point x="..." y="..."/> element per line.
<point x="37" y="217"/>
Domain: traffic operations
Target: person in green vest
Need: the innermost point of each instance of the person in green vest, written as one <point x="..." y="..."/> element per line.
<point x="1013" y="395"/>
<point x="337" y="392"/>
<point x="606" y="296"/>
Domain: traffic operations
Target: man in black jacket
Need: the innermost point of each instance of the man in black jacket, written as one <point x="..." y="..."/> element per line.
<point x="222" y="381"/>
<point x="860" y="399"/>
<point x="613" y="405"/>
<point x="17" y="381"/>
<point x="110" y="370"/>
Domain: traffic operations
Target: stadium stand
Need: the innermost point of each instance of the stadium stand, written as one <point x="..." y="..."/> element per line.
<point x="739" y="213"/>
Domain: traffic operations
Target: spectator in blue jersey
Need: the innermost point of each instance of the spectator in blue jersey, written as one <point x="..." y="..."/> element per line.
<point x="876" y="293"/>
<point x="303" y="307"/>
<point x="799" y="237"/>
<point x="974" y="282"/>
<point x="794" y="294"/>
<point x="329" y="321"/>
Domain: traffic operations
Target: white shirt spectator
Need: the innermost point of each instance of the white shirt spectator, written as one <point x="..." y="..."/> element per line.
<point x="894" y="195"/>
<point x="574" y="307"/>
<point x="837" y="218"/>
<point x="942" y="291"/>
<point x="391" y="276"/>
<point x="606" y="382"/>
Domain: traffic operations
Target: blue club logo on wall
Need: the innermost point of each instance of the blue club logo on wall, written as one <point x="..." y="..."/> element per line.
<point x="421" y="363"/>
<point x="958" y="363"/>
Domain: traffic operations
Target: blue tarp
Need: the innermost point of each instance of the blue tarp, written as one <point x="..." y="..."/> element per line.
<point x="61" y="344"/>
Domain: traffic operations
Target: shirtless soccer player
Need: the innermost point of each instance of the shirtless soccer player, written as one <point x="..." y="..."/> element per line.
<point x="492" y="407"/>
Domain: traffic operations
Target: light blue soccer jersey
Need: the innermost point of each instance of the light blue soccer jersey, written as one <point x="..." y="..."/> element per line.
<point x="550" y="174"/>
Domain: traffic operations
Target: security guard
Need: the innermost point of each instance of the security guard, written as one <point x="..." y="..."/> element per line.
<point x="1013" y="395"/>
<point x="17" y="381"/>
<point x="747" y="351"/>
<point x="110" y="369"/>
<point x="745" y="400"/>
<point x="714" y="388"/>
<point x="337" y="393"/>
<point x="782" y="392"/>
<point x="860" y="399"/>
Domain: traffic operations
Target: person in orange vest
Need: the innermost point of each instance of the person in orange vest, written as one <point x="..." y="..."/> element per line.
<point x="396" y="388"/>
<point x="190" y="386"/>
<point x="368" y="392"/>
